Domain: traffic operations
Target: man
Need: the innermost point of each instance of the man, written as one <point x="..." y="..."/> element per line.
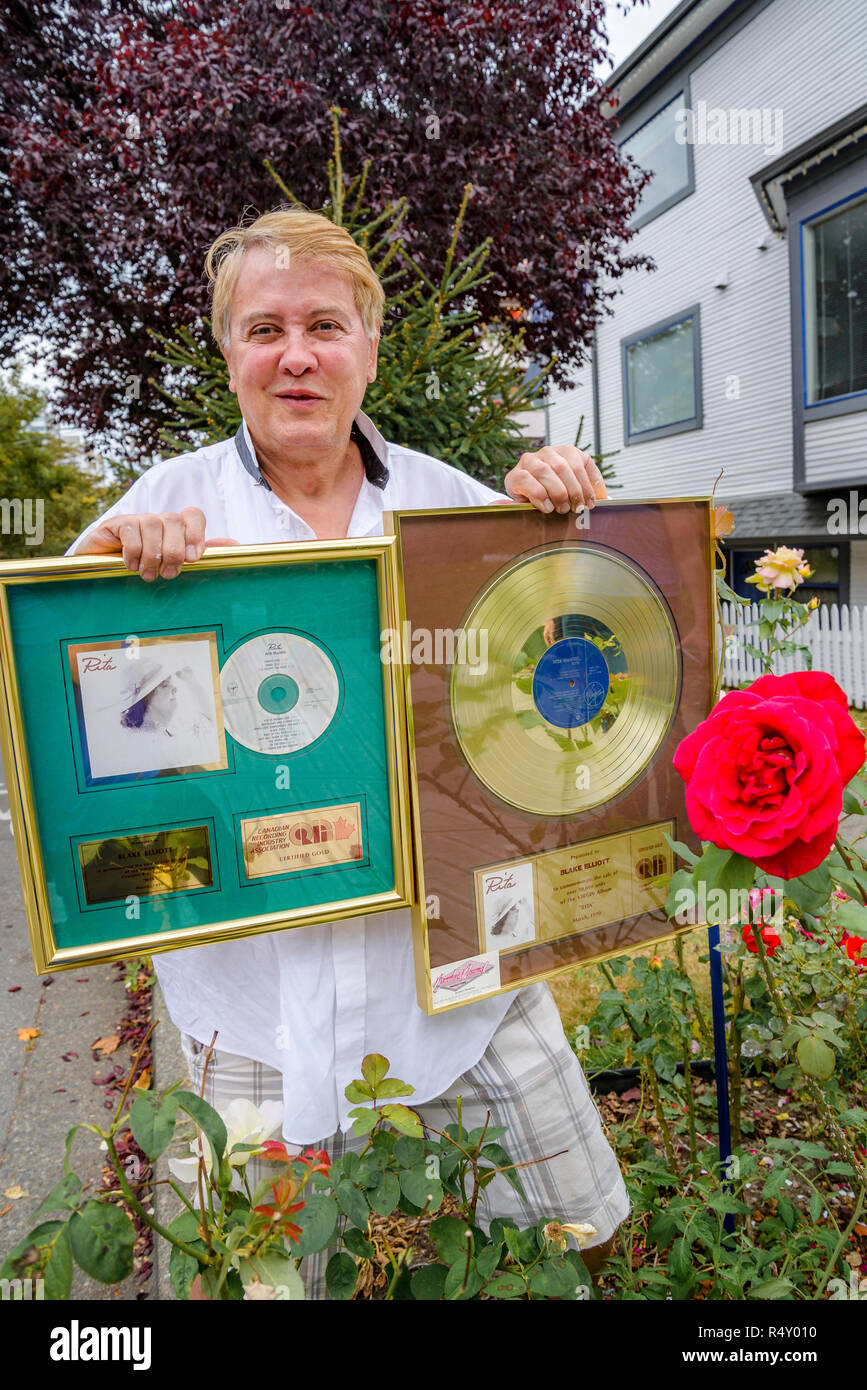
<point x="297" y="311"/>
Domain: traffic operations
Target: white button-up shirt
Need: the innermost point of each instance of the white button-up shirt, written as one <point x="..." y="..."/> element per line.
<point x="313" y="1001"/>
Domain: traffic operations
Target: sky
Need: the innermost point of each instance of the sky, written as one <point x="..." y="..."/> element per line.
<point x="626" y="32"/>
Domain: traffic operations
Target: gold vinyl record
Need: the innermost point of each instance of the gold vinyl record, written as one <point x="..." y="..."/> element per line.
<point x="573" y="682"/>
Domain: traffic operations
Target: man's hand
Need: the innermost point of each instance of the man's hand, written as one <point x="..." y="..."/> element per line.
<point x="557" y="478"/>
<point x="152" y="544"/>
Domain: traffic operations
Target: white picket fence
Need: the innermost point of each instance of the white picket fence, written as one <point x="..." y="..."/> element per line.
<point x="835" y="635"/>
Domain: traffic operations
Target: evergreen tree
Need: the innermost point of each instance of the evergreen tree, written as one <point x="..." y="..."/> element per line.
<point x="446" y="384"/>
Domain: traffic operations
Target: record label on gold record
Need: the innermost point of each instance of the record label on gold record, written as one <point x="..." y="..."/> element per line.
<point x="579" y="688"/>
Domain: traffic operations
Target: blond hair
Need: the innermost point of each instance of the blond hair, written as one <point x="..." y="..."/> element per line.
<point x="301" y="236"/>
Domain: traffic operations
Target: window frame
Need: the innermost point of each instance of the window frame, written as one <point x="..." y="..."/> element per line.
<point x="814" y="197"/>
<point x="694" y="421"/>
<point x="812" y="408"/>
<point x="637" y="121"/>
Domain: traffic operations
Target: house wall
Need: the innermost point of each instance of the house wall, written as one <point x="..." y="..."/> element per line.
<point x="812" y="70"/>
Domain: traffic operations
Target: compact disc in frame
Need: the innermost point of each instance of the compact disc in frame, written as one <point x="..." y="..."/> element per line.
<point x="280" y="692"/>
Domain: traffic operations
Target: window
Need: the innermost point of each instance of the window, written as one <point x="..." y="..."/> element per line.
<point x="834" y="250"/>
<point x="823" y="584"/>
<point x="662" y="379"/>
<point x="655" y="146"/>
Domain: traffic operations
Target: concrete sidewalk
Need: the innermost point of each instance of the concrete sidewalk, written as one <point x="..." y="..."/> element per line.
<point x="47" y="1084"/>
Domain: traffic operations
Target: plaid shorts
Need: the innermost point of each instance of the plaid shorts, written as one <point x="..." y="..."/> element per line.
<point x="532" y="1083"/>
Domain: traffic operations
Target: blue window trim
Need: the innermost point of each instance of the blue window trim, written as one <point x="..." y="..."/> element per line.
<point x="691" y="422"/>
<point x="803" y="224"/>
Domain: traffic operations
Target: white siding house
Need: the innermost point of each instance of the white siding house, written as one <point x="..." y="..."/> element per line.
<point x="745" y="349"/>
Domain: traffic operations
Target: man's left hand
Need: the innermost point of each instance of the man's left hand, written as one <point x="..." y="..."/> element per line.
<point x="557" y="478"/>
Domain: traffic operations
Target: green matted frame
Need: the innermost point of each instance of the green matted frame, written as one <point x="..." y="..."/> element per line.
<point x="141" y="822"/>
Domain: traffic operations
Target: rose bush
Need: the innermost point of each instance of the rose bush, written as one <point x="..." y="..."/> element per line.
<point x="765" y="772"/>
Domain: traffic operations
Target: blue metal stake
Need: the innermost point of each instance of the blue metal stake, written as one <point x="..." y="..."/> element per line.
<point x="720" y="1062"/>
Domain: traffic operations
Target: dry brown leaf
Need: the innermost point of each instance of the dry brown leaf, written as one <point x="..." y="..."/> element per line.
<point x="859" y="1229"/>
<point x="723" y="521"/>
<point x="3" y="1210"/>
<point x="26" y="1034"/>
<point x="14" y="1192"/>
<point x="106" y="1045"/>
<point x="143" y="1082"/>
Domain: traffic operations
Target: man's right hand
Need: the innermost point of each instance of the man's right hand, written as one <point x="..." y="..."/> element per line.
<point x="152" y="544"/>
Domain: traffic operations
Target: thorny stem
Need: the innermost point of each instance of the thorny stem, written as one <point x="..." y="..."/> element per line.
<point x="133" y="1202"/>
<point x="466" y="1278"/>
<point x="660" y="1114"/>
<point x="735" y="1040"/>
<point x="132" y="1070"/>
<point x="408" y="1251"/>
<point x="843" y="849"/>
<point x="837" y="1132"/>
<point x="844" y="1236"/>
<point x="200" y="1171"/>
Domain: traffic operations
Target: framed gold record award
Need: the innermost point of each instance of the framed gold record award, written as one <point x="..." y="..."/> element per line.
<point x="551" y="666"/>
<point x="204" y="758"/>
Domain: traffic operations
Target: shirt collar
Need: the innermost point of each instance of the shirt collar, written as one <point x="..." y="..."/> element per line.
<point x="372" y="446"/>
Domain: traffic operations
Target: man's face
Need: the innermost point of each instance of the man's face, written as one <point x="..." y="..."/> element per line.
<point x="299" y="358"/>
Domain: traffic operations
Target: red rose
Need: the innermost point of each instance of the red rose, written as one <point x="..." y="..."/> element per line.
<point x="854" y="949"/>
<point x="769" y="937"/>
<point x="765" y="772"/>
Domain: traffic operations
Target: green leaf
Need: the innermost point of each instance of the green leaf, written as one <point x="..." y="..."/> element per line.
<point x="403" y="1120"/>
<point x="816" y="1058"/>
<point x="277" y="1269"/>
<point x="771" y="1288"/>
<point x="810" y="892"/>
<point x="680" y="1258"/>
<point x="152" y="1121"/>
<point x="680" y="881"/>
<point x="364" y="1119"/>
<point x="853" y="916"/>
<point x="102" y="1237"/>
<point x="455" y="1280"/>
<point x="391" y="1087"/>
<point x="357" y="1244"/>
<point x="507" y="1286"/>
<point x="358" y="1090"/>
<point x="353" y="1203"/>
<point x="418" y="1187"/>
<point x="58" y="1271"/>
<point x="449" y="1238"/>
<point x="66" y="1196"/>
<point x="410" y="1152"/>
<point x="386" y="1195"/>
<point x="817" y="1206"/>
<point x="182" y="1271"/>
<point x="683" y="850"/>
<point x="42" y="1235"/>
<point x="851" y="803"/>
<point x="374" y="1068"/>
<point x="341" y="1275"/>
<point x="495" y="1154"/>
<point x="318" y="1222"/>
<point x="554" y="1278"/>
<point x="722" y="868"/>
<point x="428" y="1283"/>
<point x="207" y="1119"/>
<point x="775" y="1180"/>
